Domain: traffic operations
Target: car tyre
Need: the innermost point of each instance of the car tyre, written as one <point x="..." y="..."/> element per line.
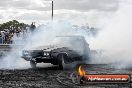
<point x="33" y="64"/>
<point x="61" y="58"/>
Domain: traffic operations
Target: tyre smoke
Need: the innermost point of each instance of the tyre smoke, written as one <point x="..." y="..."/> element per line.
<point x="115" y="38"/>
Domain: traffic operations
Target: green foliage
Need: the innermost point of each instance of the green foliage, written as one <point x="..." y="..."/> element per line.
<point x="14" y="24"/>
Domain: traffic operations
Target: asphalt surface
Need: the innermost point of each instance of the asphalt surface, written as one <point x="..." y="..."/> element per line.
<point x="53" y="77"/>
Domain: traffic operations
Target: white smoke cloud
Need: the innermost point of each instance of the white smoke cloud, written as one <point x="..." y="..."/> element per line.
<point x="116" y="38"/>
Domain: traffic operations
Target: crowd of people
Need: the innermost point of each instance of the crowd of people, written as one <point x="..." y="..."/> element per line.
<point x="11" y="28"/>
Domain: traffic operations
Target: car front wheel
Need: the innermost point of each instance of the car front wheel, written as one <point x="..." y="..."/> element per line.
<point x="61" y="58"/>
<point x="33" y="64"/>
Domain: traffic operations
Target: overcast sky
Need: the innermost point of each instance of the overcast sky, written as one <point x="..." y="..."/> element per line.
<point x="40" y="10"/>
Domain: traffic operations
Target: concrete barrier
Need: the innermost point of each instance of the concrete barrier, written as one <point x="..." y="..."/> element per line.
<point x="8" y="47"/>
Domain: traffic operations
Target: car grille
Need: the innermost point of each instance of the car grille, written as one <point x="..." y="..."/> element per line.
<point x="36" y="53"/>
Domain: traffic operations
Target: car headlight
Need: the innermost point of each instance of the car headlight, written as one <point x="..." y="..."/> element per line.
<point x="46" y="53"/>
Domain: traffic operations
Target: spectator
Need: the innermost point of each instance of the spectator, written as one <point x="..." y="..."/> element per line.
<point x="32" y="27"/>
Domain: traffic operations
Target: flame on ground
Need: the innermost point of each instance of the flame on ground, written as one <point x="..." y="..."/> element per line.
<point x="81" y="71"/>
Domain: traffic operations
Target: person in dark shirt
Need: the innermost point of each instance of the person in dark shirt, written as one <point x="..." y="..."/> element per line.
<point x="32" y="27"/>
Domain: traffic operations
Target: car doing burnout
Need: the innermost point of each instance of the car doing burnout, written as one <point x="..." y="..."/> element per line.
<point x="64" y="50"/>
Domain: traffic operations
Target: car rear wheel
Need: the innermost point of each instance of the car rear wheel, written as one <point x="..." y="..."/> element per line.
<point x="33" y="64"/>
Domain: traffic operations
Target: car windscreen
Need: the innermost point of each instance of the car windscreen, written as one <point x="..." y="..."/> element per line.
<point x="74" y="43"/>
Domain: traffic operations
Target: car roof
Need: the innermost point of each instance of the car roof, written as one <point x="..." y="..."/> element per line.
<point x="72" y="36"/>
<point x="69" y="36"/>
